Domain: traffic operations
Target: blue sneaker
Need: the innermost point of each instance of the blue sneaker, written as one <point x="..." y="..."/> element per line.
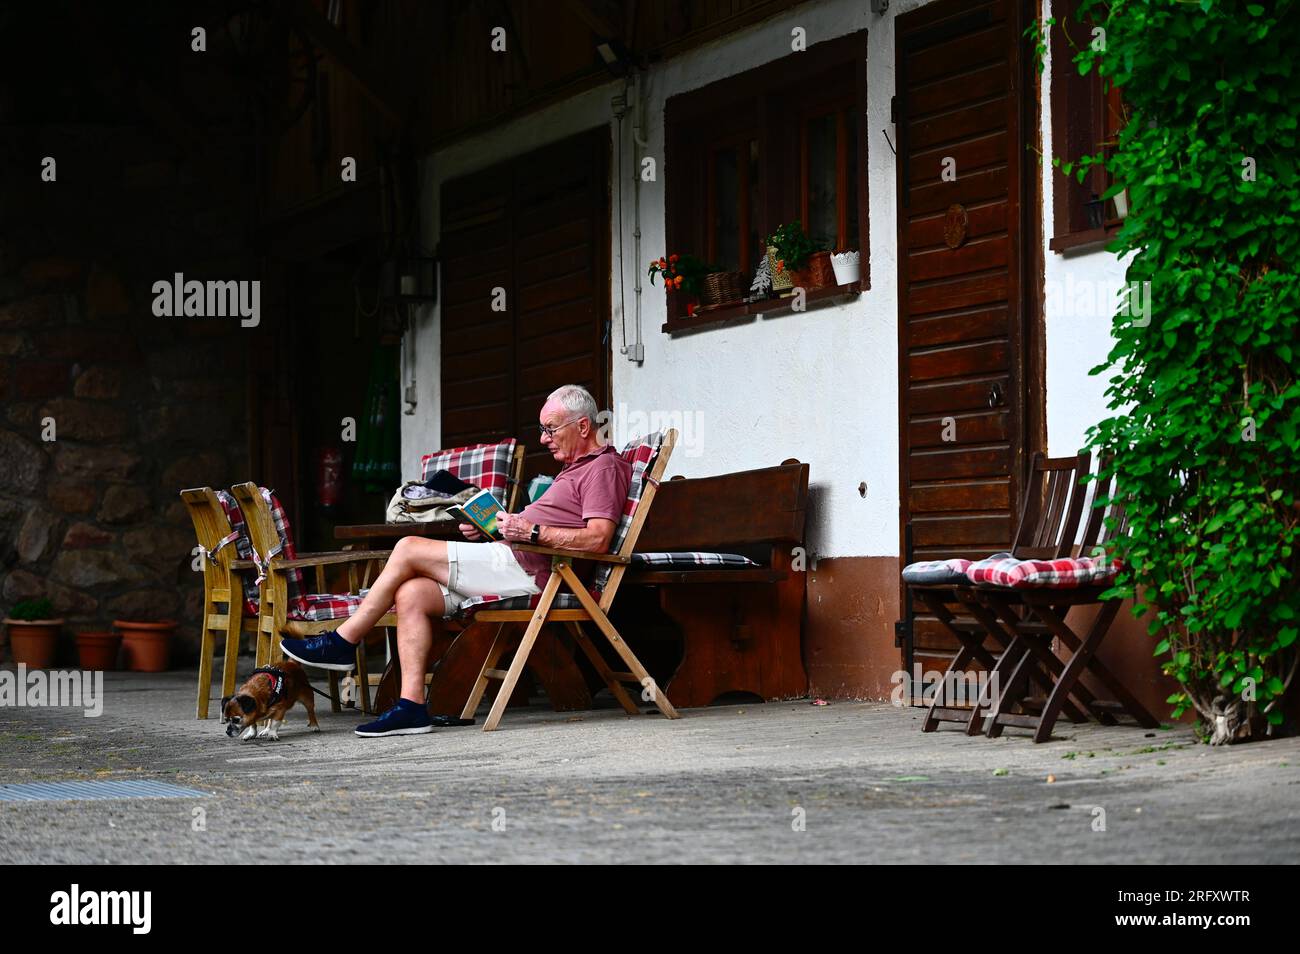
<point x="405" y="718"/>
<point x="326" y="651"/>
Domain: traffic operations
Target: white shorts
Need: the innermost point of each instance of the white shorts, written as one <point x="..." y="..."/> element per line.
<point x="483" y="569"/>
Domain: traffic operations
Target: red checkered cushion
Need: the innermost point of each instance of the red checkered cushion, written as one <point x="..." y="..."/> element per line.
<point x="486" y="466"/>
<point x="1064" y="573"/>
<point x="319" y="606"/>
<point x="296" y="587"/>
<point x="641" y="453"/>
<point x="243" y="548"/>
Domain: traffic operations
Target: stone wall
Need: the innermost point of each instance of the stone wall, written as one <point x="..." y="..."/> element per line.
<point x="140" y="406"/>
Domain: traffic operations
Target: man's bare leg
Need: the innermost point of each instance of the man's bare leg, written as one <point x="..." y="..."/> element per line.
<point x="419" y="603"/>
<point x="413" y="557"/>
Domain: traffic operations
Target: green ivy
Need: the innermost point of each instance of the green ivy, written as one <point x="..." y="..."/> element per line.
<point x="1205" y="393"/>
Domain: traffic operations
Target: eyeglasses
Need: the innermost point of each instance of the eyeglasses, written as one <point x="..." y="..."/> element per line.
<point x="550" y="431"/>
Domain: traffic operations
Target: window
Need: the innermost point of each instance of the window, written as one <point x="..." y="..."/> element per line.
<point x="828" y="164"/>
<point x="732" y="218"/>
<point x="1087" y="116"/>
<point x="765" y="147"/>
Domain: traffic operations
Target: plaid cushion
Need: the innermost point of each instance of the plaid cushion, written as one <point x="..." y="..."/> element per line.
<point x="296" y="588"/>
<point x="1063" y="573"/>
<point x="486" y="466"/>
<point x="323" y="606"/>
<point x="475" y="603"/>
<point x="936" y="571"/>
<point x="691" y="558"/>
<point x="318" y="606"/>
<point x="641" y="453"/>
<point x="243" y="548"/>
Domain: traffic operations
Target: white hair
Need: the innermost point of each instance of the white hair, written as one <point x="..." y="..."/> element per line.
<point x="575" y="399"/>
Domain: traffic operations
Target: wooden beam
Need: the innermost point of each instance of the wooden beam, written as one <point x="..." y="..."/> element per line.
<point x="373" y="82"/>
<point x="605" y="19"/>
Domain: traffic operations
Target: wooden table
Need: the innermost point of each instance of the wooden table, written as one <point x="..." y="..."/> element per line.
<point x="384" y="536"/>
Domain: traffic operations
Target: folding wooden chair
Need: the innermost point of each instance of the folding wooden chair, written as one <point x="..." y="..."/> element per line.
<point x="225" y="606"/>
<point x="1032" y="617"/>
<point x="1049" y="521"/>
<point x="648" y="457"/>
<point x="286" y="609"/>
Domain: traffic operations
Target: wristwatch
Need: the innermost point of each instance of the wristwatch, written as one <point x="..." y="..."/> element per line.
<point x="535" y="535"/>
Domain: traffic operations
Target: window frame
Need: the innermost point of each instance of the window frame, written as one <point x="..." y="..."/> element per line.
<point x="1081" y="125"/>
<point x="771" y="103"/>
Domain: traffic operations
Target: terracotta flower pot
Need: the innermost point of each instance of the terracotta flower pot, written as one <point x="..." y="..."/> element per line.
<point x="98" y="651"/>
<point x="816" y="272"/>
<point x="146" y="647"/>
<point x="32" y="641"/>
<point x="823" y="272"/>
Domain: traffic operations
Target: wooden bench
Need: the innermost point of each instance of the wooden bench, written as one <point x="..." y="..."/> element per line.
<point x="741" y="628"/>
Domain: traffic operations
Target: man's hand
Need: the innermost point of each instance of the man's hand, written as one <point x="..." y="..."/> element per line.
<point x="470" y="532"/>
<point x="513" y="527"/>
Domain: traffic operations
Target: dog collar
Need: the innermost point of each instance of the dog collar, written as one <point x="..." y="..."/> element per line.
<point x="277" y="681"/>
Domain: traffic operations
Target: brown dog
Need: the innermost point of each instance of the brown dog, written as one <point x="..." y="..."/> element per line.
<point x="267" y="695"/>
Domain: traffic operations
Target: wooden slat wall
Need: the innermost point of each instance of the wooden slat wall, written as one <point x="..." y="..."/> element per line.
<point x="960" y="320"/>
<point x="538" y="227"/>
<point x="438" y="61"/>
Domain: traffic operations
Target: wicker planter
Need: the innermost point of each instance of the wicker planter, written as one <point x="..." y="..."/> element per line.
<point x="723" y="288"/>
<point x="32" y="641"/>
<point x="146" y="647"/>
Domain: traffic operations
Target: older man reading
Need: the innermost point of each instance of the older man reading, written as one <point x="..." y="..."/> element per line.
<point x="432" y="578"/>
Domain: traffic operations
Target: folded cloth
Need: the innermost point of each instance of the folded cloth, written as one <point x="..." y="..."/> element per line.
<point x="421" y="492"/>
<point x="936" y="571"/>
<point x="1067" y="572"/>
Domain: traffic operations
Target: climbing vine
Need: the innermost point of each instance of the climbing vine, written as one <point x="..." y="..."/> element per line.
<point x="1203" y="387"/>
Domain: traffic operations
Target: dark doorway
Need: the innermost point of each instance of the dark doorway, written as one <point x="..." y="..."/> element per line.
<point x="538" y="228"/>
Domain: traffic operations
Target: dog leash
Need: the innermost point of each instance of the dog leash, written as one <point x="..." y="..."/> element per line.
<point x="277" y="683"/>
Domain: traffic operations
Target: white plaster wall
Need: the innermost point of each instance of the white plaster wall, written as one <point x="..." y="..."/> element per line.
<point x="1081" y="291"/>
<point x="821" y="387"/>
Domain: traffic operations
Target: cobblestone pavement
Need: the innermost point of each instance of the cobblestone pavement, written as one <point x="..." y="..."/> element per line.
<point x="781" y="782"/>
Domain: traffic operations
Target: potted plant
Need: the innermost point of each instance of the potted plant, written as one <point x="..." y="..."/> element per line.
<point x="33" y="631"/>
<point x="847" y="266"/>
<point x="146" y="644"/>
<point x="683" y="274"/>
<point x="97" y="650"/>
<point x="806" y="259"/>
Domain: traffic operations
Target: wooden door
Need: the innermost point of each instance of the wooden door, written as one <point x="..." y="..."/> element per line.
<point x="958" y="110"/>
<point x="538" y="228"/>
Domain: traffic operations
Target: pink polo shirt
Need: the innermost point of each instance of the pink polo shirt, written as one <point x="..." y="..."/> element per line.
<point x="593" y="486"/>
